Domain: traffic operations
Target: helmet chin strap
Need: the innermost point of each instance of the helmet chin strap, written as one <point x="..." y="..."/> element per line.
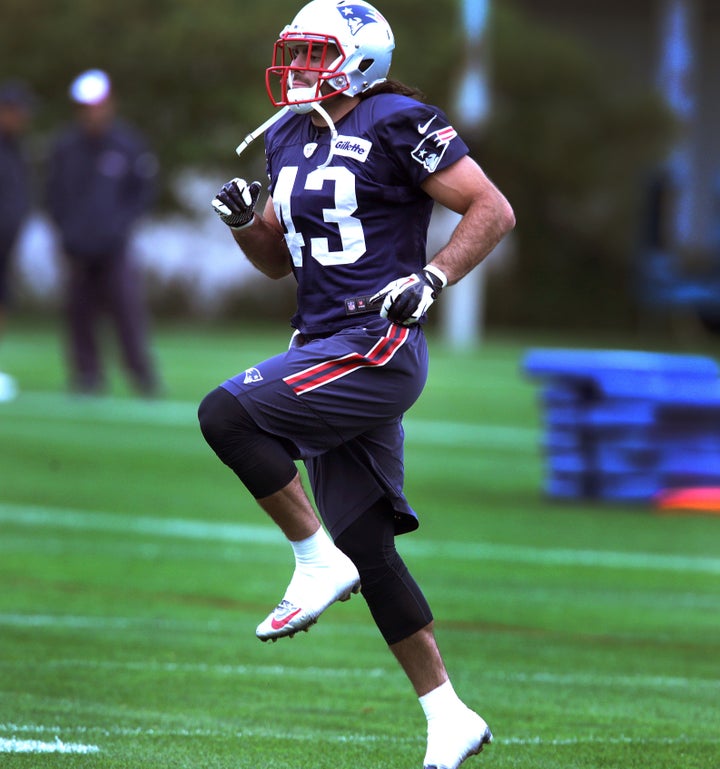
<point x="333" y="131"/>
<point x="301" y="109"/>
<point x="260" y="130"/>
<point x="308" y="103"/>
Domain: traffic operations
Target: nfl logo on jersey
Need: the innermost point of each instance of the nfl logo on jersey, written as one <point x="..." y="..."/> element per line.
<point x="252" y="375"/>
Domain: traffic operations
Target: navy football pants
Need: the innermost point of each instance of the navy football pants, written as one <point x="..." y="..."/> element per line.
<point x="337" y="403"/>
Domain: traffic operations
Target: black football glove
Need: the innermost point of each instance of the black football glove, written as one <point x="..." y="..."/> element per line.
<point x="406" y="300"/>
<point x="236" y="201"/>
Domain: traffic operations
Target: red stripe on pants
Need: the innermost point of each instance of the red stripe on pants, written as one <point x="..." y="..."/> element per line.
<point x="328" y="371"/>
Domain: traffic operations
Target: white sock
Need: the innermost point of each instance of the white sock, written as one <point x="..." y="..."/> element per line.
<point x="315" y="550"/>
<point x="440" y="701"/>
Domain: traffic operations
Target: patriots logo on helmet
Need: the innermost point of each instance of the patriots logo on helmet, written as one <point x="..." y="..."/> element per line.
<point x="431" y="149"/>
<point x="357" y="16"/>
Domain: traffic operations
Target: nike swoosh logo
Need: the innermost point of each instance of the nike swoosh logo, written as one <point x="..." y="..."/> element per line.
<point x="422" y="129"/>
<point x="277" y="624"/>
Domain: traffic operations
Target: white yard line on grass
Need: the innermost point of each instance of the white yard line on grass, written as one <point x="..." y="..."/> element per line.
<point x="199" y="530"/>
<point x="600" y="679"/>
<point x="280" y="671"/>
<point x="604" y="739"/>
<point x="61" y="407"/>
<point x="63" y="518"/>
<point x="326" y="736"/>
<point x="259" y="732"/>
<point x="606" y="680"/>
<point x="75" y="622"/>
<point x="13" y="745"/>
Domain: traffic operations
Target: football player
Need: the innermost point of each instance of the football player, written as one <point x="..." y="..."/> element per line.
<point x="16" y="109"/>
<point x="355" y="162"/>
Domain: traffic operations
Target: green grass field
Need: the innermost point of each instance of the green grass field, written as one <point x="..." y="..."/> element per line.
<point x="134" y="569"/>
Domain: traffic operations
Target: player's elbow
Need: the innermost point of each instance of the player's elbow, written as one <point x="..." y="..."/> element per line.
<point x="495" y="211"/>
<point x="505" y="216"/>
<point x="276" y="273"/>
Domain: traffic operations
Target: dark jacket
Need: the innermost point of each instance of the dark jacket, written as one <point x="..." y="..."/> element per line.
<point x="98" y="187"/>
<point x="14" y="191"/>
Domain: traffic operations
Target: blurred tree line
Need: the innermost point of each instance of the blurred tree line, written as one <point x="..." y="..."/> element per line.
<point x="569" y="139"/>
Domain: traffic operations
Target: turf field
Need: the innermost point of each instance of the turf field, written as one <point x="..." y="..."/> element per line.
<point x="134" y="569"/>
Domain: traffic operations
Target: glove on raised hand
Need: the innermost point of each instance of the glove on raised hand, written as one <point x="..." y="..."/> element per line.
<point x="406" y="300"/>
<point x="236" y="201"/>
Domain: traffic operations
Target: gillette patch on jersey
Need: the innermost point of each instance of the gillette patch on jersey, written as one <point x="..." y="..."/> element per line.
<point x="352" y="147"/>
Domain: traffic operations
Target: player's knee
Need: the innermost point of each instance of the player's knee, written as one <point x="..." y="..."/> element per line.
<point x="395" y="600"/>
<point x="263" y="462"/>
<point x="214" y="415"/>
<point x="375" y="567"/>
<point x="208" y="416"/>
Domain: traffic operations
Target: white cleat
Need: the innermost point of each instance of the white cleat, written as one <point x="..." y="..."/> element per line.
<point x="309" y="593"/>
<point x="450" y="742"/>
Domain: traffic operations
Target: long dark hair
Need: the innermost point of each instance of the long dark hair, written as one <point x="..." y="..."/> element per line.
<point x="393" y="86"/>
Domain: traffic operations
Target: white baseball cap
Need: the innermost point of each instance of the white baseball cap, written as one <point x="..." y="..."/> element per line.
<point x="90" y="87"/>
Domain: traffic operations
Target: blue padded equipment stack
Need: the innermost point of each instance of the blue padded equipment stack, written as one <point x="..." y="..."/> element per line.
<point x="625" y="425"/>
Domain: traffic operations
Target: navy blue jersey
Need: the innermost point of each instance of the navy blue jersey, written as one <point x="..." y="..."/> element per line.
<point x="360" y="221"/>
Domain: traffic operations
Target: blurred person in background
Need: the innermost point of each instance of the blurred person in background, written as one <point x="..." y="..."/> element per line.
<point x="101" y="180"/>
<point x="16" y="104"/>
<point x="355" y="163"/>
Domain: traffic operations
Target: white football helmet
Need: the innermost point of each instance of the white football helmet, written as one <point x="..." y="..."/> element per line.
<point x="347" y="44"/>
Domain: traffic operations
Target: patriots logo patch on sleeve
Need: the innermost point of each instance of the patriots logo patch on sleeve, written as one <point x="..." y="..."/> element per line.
<point x="431" y="149"/>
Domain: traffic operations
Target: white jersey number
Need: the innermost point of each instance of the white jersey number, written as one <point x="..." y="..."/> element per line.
<point x="349" y="227"/>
